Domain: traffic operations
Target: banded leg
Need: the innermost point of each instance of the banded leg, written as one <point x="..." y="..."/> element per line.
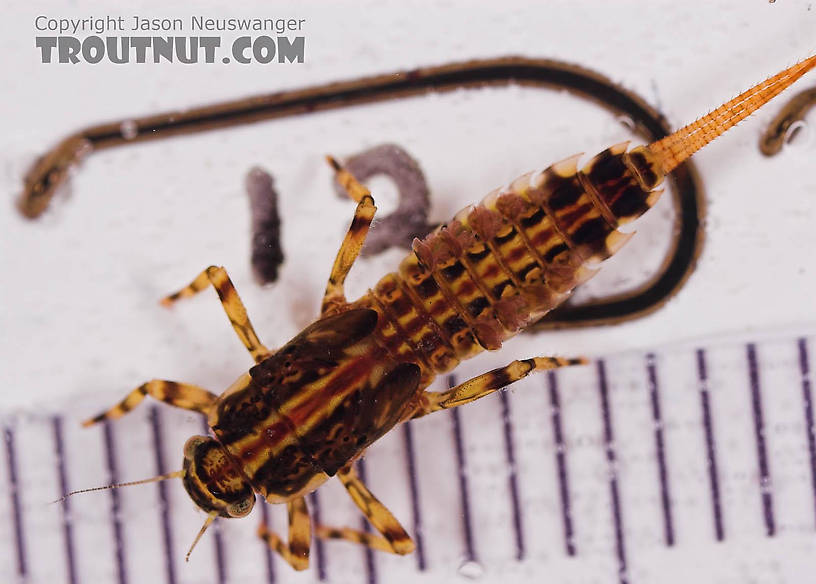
<point x="236" y="312"/>
<point x="355" y="236"/>
<point x="181" y="395"/>
<point x="394" y="538"/>
<point x="487" y="383"/>
<point x="296" y="552"/>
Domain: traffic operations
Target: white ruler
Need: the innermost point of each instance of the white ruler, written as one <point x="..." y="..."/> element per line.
<point x="689" y="463"/>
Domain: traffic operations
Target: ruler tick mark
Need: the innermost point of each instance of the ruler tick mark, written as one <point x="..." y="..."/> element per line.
<point x="67" y="529"/>
<point x="164" y="503"/>
<point x="371" y="566"/>
<point x="113" y="478"/>
<point x="410" y="459"/>
<point x="762" y="453"/>
<point x="319" y="549"/>
<point x="17" y="512"/>
<point x="711" y="454"/>
<point x="509" y="449"/>
<point x="804" y="368"/>
<point x="470" y="551"/>
<point x="663" y="473"/>
<point x="561" y="463"/>
<point x="611" y="459"/>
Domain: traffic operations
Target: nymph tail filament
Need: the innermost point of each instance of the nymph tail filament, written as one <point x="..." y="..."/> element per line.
<point x="674" y="149"/>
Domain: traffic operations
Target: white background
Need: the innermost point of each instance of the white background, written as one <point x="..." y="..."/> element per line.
<point x="79" y="312"/>
<point x="79" y="307"/>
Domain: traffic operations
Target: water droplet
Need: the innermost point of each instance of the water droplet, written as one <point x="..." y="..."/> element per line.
<point x="471" y="569"/>
<point x="84" y="149"/>
<point x="627" y="123"/>
<point x="129" y="130"/>
<point x="799" y="135"/>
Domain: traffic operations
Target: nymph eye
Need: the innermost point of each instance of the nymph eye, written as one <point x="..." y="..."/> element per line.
<point x="191" y="445"/>
<point x="241" y="508"/>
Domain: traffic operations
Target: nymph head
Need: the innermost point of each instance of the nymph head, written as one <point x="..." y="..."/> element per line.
<point x="210" y="479"/>
<point x="213" y="482"/>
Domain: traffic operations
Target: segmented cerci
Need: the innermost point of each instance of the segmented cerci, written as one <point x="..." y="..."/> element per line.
<point x="305" y="412"/>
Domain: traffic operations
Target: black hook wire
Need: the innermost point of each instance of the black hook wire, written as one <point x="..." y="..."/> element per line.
<point x="51" y="169"/>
